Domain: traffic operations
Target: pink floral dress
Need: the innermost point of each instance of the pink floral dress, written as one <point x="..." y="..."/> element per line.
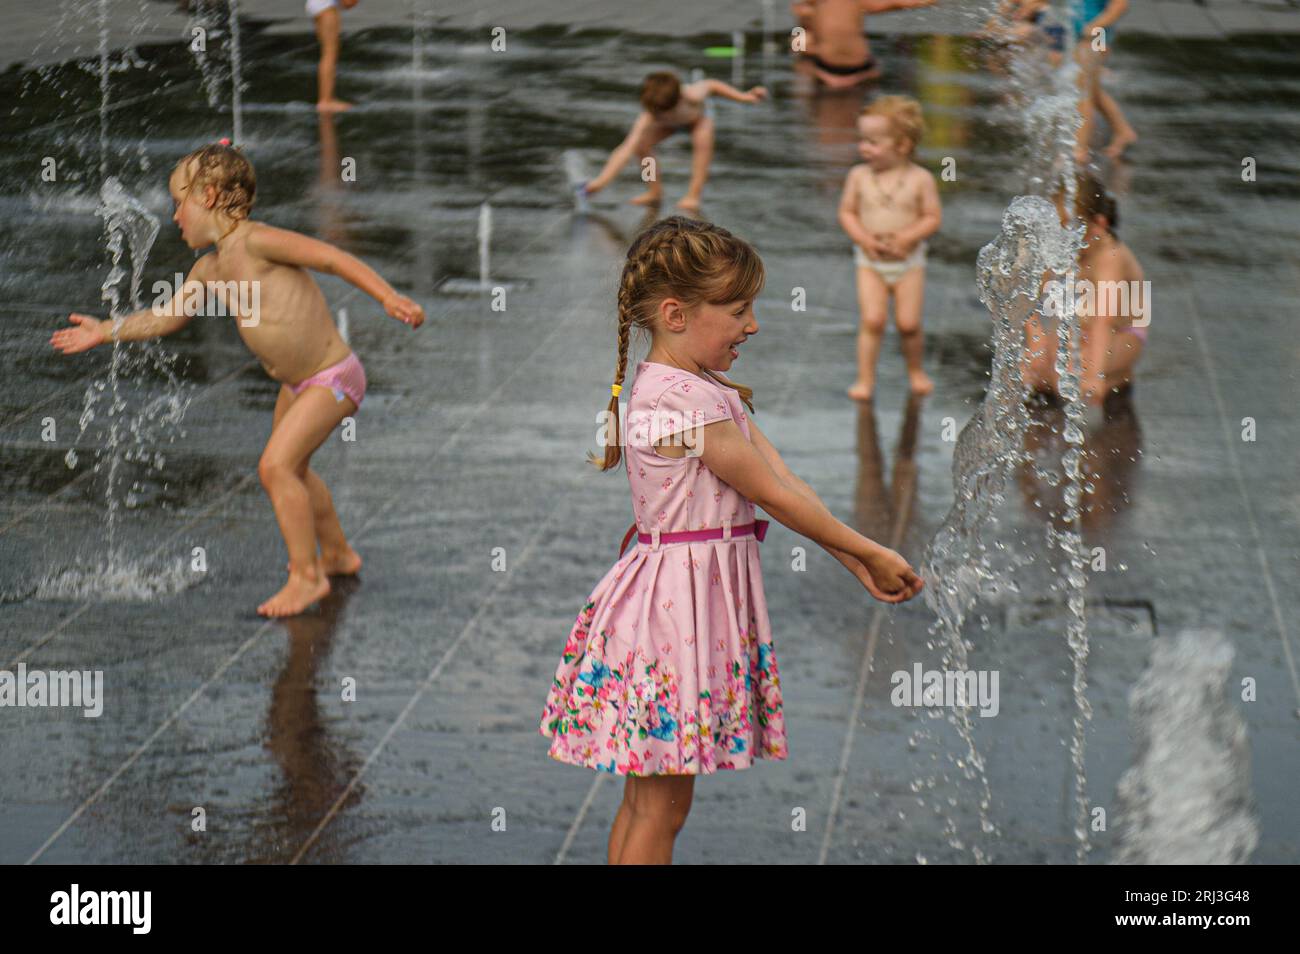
<point x="670" y="667"/>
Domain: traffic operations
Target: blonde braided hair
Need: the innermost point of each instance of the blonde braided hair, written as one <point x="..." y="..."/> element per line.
<point x="682" y="258"/>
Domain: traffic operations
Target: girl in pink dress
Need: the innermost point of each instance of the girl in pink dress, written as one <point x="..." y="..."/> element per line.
<point x="669" y="671"/>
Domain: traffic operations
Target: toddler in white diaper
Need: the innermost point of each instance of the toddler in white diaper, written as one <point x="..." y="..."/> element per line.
<point x="889" y="207"/>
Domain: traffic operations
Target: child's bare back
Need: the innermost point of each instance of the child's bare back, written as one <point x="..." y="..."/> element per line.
<point x="293" y="334"/>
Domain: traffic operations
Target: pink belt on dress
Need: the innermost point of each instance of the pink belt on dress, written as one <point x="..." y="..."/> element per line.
<point x="725" y="532"/>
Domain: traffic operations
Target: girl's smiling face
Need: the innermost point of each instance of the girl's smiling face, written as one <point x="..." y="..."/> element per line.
<point x="708" y="335"/>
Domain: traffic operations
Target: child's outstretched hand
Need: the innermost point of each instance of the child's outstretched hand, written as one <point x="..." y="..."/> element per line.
<point x="86" y="333"/>
<point x="757" y="94"/>
<point x="405" y="310"/>
<point x="890" y="578"/>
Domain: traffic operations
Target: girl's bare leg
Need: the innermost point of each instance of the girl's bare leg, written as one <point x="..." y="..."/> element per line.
<point x="909" y="299"/>
<point x="618" y="833"/>
<point x="302" y="427"/>
<point x="873" y="303"/>
<point x="1122" y="135"/>
<point x="327" y="33"/>
<point x="656" y="816"/>
<point x="645" y="149"/>
<point x="701" y="157"/>
<point x="1090" y="63"/>
<point x="336" y="556"/>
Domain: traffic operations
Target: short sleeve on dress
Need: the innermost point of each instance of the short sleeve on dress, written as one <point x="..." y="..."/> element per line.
<point x="686" y="404"/>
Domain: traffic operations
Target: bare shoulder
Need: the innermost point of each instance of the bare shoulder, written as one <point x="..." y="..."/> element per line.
<point x="921" y="175"/>
<point x="696" y="92"/>
<point x="205" y="267"/>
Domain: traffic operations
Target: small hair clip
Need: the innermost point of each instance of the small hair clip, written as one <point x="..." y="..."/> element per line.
<point x="615" y="389"/>
<point x="224" y="140"/>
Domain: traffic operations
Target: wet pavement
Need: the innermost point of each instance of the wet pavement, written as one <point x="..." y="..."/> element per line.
<point x="470" y="447"/>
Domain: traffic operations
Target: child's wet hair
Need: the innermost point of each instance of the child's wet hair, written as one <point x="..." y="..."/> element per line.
<point x="660" y="92"/>
<point x="695" y="262"/>
<point x="227" y="170"/>
<point x="1091" y="199"/>
<point x="904" y="115"/>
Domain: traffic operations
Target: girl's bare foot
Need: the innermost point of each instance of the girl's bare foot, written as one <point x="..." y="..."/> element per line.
<point x="860" y="391"/>
<point x="921" y="383"/>
<point x="299" y="593"/>
<point x="332" y="105"/>
<point x="344" y="563"/>
<point x="648" y="198"/>
<point x="1121" y="141"/>
<point x="689" y="203"/>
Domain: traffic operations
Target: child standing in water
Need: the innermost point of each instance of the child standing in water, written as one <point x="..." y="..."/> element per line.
<point x="667" y="107"/>
<point x="835" y="42"/>
<point x="669" y="671"/>
<point x="325" y="13"/>
<point x="292" y="333"/>
<point x="889" y="207"/>
<point x="1093" y="25"/>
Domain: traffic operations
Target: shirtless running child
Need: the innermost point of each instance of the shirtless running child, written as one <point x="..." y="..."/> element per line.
<point x="889" y="207"/>
<point x="666" y="107"/>
<point x="291" y="332"/>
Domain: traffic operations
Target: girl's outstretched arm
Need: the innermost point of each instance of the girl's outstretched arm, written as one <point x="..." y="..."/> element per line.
<point x="152" y="322"/>
<point x="779" y="467"/>
<point x="734" y="459"/>
<point x="292" y="248"/>
<point x="884" y="6"/>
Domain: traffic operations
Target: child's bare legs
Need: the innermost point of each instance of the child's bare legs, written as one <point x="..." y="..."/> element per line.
<point x="701" y="157"/>
<point x="909" y="298"/>
<point x="1122" y="135"/>
<point x="1089" y="61"/>
<point x="654" y="810"/>
<point x="873" y="303"/>
<point x="640" y="142"/>
<point x="303" y="424"/>
<point x="327" y="33"/>
<point x="1125" y="349"/>
<point x="336" y="555"/>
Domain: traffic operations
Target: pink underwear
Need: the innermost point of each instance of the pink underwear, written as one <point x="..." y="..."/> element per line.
<point x="345" y="378"/>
